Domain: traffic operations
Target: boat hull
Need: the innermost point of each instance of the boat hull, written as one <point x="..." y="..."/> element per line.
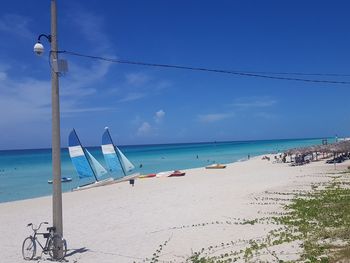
<point x="95" y="184"/>
<point x="126" y="178"/>
<point x="215" y="166"/>
<point x="147" y="176"/>
<point x="163" y="174"/>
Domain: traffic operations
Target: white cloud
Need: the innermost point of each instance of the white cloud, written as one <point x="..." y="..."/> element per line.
<point x="137" y="79"/>
<point x="214" y="117"/>
<point x="3" y="76"/>
<point x="139" y="85"/>
<point x="162" y="85"/>
<point x="159" y="116"/>
<point x="16" y="25"/>
<point x="83" y="80"/>
<point x="27" y="100"/>
<point x="30" y="99"/>
<point x="90" y="26"/>
<point x="144" y="129"/>
<point x="254" y="102"/>
<point x="24" y="100"/>
<point x="69" y="110"/>
<point x="132" y="96"/>
<point x="147" y="128"/>
<point x="79" y="79"/>
<point x="134" y="87"/>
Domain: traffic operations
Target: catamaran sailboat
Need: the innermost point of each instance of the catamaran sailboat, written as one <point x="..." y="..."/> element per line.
<point x="116" y="160"/>
<point x="85" y="164"/>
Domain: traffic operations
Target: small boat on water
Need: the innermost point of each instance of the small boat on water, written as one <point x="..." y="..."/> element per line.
<point x="216" y="166"/>
<point x="63" y="180"/>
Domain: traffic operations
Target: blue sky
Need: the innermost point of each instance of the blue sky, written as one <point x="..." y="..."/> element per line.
<point x="143" y="105"/>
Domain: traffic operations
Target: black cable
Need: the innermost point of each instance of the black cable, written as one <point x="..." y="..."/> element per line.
<point x="298" y="73"/>
<point x="239" y="73"/>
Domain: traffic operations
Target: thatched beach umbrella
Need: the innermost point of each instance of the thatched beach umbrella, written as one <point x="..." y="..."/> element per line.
<point x="342" y="147"/>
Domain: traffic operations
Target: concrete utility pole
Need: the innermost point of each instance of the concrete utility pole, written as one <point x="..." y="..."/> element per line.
<point x="56" y="135"/>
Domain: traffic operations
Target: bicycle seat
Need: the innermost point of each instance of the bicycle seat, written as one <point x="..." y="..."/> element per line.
<point x="52" y="228"/>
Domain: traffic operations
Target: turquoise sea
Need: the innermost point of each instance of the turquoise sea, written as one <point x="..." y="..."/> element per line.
<point x="24" y="173"/>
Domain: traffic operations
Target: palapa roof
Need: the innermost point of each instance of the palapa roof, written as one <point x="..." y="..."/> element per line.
<point x="338" y="147"/>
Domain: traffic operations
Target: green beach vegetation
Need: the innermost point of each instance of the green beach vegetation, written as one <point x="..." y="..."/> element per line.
<point x="318" y="221"/>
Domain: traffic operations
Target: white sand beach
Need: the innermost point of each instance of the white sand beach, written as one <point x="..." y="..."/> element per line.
<point x="120" y="223"/>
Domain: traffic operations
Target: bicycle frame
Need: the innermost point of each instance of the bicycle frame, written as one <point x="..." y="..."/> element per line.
<point x="44" y="248"/>
<point x="47" y="235"/>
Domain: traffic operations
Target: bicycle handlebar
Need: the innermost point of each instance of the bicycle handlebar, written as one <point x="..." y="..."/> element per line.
<point x="36" y="229"/>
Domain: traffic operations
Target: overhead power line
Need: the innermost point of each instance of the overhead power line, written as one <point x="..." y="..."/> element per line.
<point x="267" y="75"/>
<point x="298" y="73"/>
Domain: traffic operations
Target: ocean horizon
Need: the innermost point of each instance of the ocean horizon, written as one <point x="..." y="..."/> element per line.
<point x="24" y="172"/>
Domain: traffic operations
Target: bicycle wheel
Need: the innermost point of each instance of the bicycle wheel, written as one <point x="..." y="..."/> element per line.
<point x="57" y="247"/>
<point x="28" y="248"/>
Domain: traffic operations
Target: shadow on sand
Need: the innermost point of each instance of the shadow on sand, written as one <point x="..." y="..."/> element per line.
<point x="73" y="251"/>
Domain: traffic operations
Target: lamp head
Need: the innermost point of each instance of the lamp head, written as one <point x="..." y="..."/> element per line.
<point x="39" y="49"/>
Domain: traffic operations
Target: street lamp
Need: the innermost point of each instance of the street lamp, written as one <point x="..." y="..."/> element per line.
<point x="56" y="137"/>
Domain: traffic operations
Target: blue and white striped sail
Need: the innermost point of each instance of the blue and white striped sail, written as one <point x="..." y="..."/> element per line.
<point x="99" y="169"/>
<point x="114" y="158"/>
<point x="111" y="158"/>
<point x="78" y="156"/>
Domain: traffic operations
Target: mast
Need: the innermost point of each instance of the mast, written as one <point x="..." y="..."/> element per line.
<point x="117" y="152"/>
<point x="87" y="157"/>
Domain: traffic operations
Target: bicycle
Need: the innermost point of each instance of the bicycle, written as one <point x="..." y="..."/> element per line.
<point x="54" y="244"/>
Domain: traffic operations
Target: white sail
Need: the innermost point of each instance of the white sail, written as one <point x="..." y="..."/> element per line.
<point x="99" y="169"/>
<point x="128" y="166"/>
